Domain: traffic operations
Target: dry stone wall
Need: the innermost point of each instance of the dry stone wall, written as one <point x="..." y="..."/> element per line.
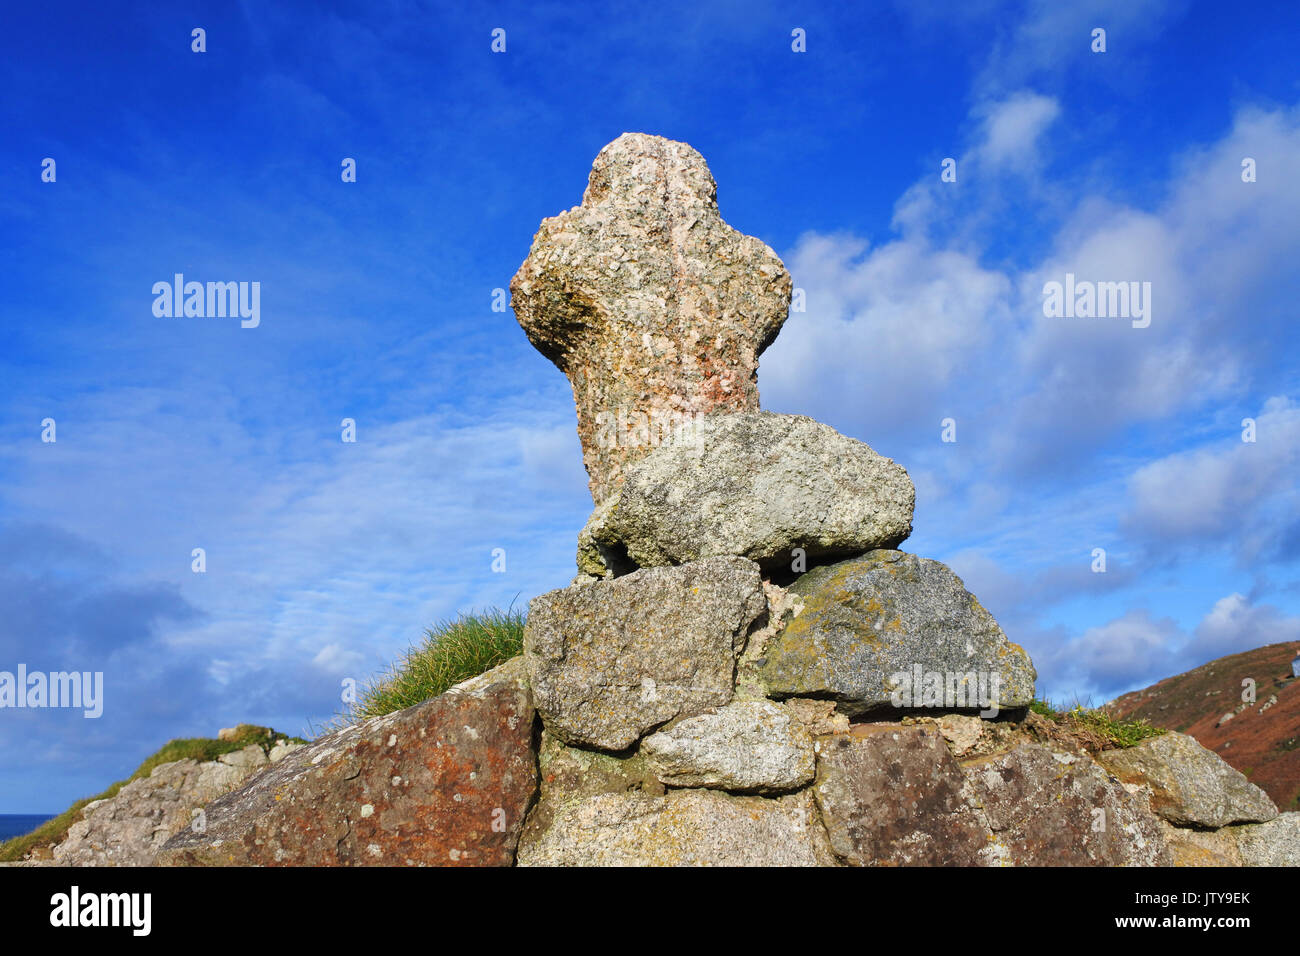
<point x="747" y="670"/>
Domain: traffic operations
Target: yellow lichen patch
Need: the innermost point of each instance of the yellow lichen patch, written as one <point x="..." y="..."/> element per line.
<point x="798" y="628"/>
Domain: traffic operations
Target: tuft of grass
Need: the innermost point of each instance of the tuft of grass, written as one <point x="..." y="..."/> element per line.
<point x="451" y="652"/>
<point x="201" y="749"/>
<point x="1043" y="708"/>
<point x="1122" y="733"/>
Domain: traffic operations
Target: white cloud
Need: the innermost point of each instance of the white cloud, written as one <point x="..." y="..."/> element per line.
<point x="1088" y="377"/>
<point x="1136" y="649"/>
<point x="336" y="659"/>
<point x="902" y="332"/>
<point x="1041" y="39"/>
<point x="1225" y="487"/>
<point x="886" y="329"/>
<point x="1132" y="647"/>
<point x="318" y="552"/>
<point x="1219" y="255"/>
<point x="1011" y="129"/>
<point x="898" y="330"/>
<point x="1002" y="165"/>
<point x="1234" y="625"/>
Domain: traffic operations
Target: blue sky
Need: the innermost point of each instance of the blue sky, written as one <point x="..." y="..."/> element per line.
<point x="325" y="560"/>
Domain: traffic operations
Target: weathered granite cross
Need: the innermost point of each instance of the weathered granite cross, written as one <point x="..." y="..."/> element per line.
<point x="655" y="308"/>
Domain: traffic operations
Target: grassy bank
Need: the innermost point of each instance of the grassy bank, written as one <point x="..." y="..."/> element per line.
<point x="201" y="749"/>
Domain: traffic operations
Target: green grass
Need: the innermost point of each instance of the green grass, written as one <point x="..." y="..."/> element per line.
<point x="1122" y="733"/>
<point x="201" y="749"/>
<point x="452" y="652"/>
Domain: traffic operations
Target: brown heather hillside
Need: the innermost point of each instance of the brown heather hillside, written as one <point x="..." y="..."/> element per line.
<point x="1262" y="739"/>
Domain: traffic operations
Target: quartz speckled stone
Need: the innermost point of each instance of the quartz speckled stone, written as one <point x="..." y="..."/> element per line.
<point x="1275" y="843"/>
<point x="894" y="796"/>
<point x="443" y="783"/>
<point x="610" y="661"/>
<point x="655" y="308"/>
<point x="1048" y="808"/>
<point x="747" y="746"/>
<point x="756" y="484"/>
<point x="682" y="828"/>
<point x="1191" y="786"/>
<point x="867" y="620"/>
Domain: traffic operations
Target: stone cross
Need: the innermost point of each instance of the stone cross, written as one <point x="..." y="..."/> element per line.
<point x="655" y="308"/>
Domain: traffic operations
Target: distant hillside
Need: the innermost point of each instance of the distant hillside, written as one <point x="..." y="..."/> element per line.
<point x="1262" y="739"/>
